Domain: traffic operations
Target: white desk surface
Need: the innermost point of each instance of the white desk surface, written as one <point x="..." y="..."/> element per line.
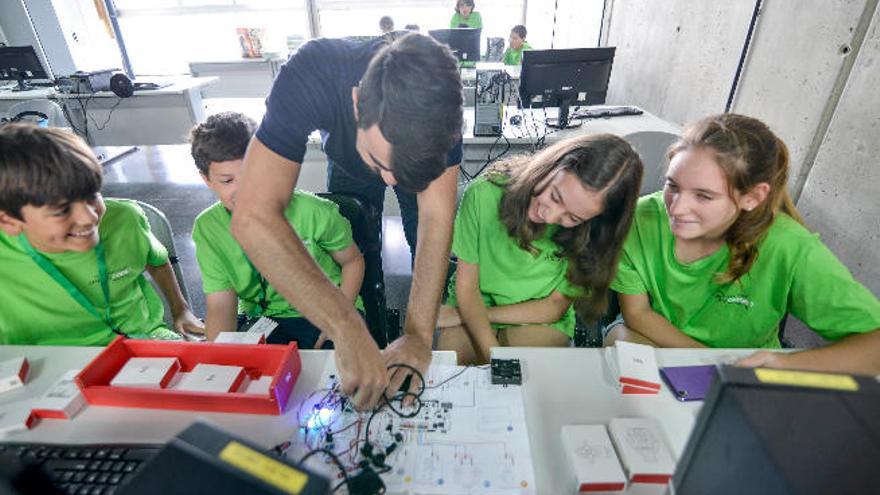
<point x="179" y="85"/>
<point x="560" y="387"/>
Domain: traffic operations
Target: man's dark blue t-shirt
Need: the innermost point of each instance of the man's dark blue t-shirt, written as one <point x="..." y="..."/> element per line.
<point x="313" y="92"/>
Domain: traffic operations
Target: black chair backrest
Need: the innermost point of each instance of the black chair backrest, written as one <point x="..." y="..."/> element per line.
<point x="369" y="239"/>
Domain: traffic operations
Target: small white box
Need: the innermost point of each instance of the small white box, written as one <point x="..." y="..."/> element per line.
<point x="13" y="373"/>
<point x="63" y="400"/>
<point x="638" y="368"/>
<point x="259" y="386"/>
<point x="145" y="372"/>
<point x="593" y="461"/>
<point x="264" y="326"/>
<point x="16" y="417"/>
<point x="240" y="338"/>
<point x="643" y="452"/>
<point x="211" y="378"/>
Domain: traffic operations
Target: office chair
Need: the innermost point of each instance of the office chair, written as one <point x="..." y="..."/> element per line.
<point x="589" y="334"/>
<point x="36" y="111"/>
<point x="162" y="230"/>
<point x="369" y="240"/>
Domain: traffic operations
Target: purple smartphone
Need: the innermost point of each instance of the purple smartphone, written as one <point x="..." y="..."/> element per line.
<point x="689" y="382"/>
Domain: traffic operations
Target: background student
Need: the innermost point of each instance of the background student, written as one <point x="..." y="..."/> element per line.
<point x="517" y="44"/>
<point x="232" y="285"/>
<point x="532" y="236"/>
<point x="71" y="263"/>
<point x="389" y="115"/>
<point x="386" y="24"/>
<point x="465" y="16"/>
<point x="720" y="256"/>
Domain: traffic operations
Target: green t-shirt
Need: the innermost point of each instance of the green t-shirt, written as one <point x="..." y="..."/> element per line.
<point x="224" y="265"/>
<point x="508" y="273"/>
<point x="473" y="21"/>
<point x="514" y="57"/>
<point x="36" y="310"/>
<point x="794" y="272"/>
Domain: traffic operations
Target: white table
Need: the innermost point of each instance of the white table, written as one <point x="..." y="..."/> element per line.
<point x="560" y="387"/>
<point x="160" y="116"/>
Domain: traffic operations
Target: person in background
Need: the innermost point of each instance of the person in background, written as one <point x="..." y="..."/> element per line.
<point x="721" y="255"/>
<point x="412" y="27"/>
<point x="386" y="24"/>
<point x="517" y="44"/>
<point x="534" y="235"/>
<point x="465" y="17"/>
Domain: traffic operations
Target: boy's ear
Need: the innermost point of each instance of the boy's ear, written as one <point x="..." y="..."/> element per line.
<point x="10" y="225"/>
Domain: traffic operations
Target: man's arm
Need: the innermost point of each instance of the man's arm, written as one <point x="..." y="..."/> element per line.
<point x="184" y="321"/>
<point x="221" y="314"/>
<point x="640" y="317"/>
<point x="547" y="310"/>
<point x="859" y="353"/>
<point x="436" y="213"/>
<point x="351" y="261"/>
<point x="473" y="312"/>
<point x="259" y="225"/>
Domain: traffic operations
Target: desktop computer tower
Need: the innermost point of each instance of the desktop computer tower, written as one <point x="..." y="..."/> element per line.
<point x="489" y="102"/>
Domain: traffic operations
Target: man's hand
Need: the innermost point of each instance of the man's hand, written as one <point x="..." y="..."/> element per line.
<point x="190" y="327"/>
<point x="763" y="359"/>
<point x="410" y="350"/>
<point x="448" y="317"/>
<point x="361" y="369"/>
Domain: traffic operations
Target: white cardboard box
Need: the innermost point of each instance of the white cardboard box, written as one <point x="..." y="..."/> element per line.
<point x="240" y="338"/>
<point x="146" y="372"/>
<point x="16" y="417"/>
<point x="264" y="326"/>
<point x="13" y="373"/>
<point x="63" y="400"/>
<point x="211" y="378"/>
<point x="642" y="448"/>
<point x="638" y="370"/>
<point x="593" y="461"/>
<point x="260" y="386"/>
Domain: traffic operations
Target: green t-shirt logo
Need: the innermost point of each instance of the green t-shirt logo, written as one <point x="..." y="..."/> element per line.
<point x="740" y="299"/>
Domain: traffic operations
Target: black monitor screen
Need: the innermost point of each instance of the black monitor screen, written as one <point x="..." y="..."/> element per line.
<point x="783" y="432"/>
<point x="464" y="42"/>
<point x="15" y="60"/>
<point x="560" y="78"/>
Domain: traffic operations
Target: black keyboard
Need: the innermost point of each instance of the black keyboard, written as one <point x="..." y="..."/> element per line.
<point x="85" y="469"/>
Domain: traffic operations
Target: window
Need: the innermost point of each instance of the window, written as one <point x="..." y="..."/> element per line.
<point x="164" y="36"/>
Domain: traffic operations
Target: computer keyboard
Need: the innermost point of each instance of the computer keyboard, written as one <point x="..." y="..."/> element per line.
<point x="85" y="469"/>
<point x="596" y="113"/>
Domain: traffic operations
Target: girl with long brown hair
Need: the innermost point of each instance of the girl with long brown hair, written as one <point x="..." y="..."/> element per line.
<point x="721" y="255"/>
<point x="532" y="237"/>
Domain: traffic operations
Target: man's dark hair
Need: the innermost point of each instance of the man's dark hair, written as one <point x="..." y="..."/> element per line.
<point x="520" y="31"/>
<point x="412" y="90"/>
<point x="44" y="166"/>
<point x="222" y="137"/>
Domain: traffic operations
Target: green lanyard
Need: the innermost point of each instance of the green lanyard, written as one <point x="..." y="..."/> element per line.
<point x="73" y="290"/>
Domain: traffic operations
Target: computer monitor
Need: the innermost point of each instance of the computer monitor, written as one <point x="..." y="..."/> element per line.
<point x="561" y="78"/>
<point x="20" y="63"/>
<point x="464" y="42"/>
<point x="764" y="431"/>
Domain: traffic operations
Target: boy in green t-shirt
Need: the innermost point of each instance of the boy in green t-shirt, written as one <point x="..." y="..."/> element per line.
<point x="71" y="263"/>
<point x="517" y="45"/>
<point x="235" y="291"/>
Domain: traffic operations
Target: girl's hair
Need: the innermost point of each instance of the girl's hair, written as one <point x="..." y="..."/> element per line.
<point x="459" y="3"/>
<point x="748" y="153"/>
<point x="604" y="163"/>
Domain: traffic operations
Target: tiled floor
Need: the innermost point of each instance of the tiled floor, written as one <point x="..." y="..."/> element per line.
<point x="165" y="177"/>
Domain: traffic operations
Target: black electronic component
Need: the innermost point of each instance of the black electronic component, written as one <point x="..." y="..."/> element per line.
<point x="20" y="63"/>
<point x="489" y="102"/>
<point x="506" y="372"/>
<point x="464" y="42"/>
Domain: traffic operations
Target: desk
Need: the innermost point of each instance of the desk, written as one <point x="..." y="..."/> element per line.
<point x="161" y="116"/>
<point x="560" y="386"/>
<point x="247" y="77"/>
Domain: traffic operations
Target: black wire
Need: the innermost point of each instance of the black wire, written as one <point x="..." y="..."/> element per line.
<point x="107" y="120"/>
<point x="345" y="478"/>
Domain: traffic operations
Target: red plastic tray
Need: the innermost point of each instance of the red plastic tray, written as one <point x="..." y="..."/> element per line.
<point x="281" y="362"/>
